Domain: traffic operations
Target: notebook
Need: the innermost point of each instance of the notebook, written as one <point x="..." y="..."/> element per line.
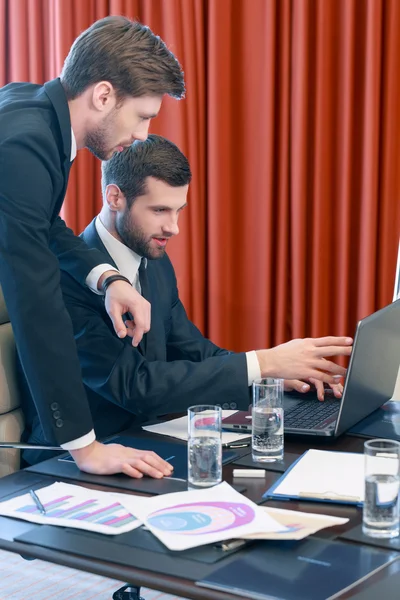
<point x="369" y="383"/>
<point x="308" y="570"/>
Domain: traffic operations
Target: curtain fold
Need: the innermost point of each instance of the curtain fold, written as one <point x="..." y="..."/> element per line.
<point x="292" y="128"/>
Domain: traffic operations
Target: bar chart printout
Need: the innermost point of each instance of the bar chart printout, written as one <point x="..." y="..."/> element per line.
<point x="74" y="506"/>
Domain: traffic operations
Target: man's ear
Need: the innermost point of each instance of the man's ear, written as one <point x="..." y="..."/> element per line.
<point x="115" y="198"/>
<point x="103" y="96"/>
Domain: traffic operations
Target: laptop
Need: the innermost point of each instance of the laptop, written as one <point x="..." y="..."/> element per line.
<point x="369" y="383"/>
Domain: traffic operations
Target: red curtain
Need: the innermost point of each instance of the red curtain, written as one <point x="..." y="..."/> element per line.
<point x="292" y="128"/>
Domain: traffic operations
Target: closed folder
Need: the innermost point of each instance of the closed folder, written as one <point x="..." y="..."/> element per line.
<point x="322" y="476"/>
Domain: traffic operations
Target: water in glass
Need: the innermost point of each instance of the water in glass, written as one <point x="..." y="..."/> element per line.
<point x="204" y="461"/>
<point x="267" y="434"/>
<point x="381" y="506"/>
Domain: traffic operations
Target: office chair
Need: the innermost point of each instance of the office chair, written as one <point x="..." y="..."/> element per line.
<point x="128" y="592"/>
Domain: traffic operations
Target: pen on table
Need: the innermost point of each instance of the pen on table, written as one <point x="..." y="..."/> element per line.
<point x="230" y="544"/>
<point x="36" y="500"/>
<point x="243" y="445"/>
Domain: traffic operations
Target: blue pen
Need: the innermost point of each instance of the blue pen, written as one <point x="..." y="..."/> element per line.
<point x="36" y="500"/>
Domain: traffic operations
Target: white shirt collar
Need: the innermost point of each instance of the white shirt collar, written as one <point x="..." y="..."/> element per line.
<point x="73" y="145"/>
<point x="127" y="261"/>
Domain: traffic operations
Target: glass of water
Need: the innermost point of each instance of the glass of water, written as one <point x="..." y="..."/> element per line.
<point x="267" y="420"/>
<point x="382" y="477"/>
<point x="204" y="446"/>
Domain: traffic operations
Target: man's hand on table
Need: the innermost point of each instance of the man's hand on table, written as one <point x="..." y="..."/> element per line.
<point x="108" y="459"/>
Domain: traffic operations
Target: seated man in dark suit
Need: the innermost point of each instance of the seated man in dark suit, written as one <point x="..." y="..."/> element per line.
<point x="144" y="192"/>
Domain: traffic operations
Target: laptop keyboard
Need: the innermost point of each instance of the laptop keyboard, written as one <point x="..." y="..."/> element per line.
<point x="310" y="414"/>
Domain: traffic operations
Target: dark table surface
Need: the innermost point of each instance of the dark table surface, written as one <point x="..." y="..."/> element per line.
<point x="21" y="481"/>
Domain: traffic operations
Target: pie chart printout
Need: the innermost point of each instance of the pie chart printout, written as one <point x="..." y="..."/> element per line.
<point x="199" y="518"/>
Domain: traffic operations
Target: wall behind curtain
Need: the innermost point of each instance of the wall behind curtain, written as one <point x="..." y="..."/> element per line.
<point x="292" y="128"/>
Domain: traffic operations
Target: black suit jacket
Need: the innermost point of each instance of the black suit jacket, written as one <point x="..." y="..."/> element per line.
<point x="35" y="148"/>
<point x="175" y="368"/>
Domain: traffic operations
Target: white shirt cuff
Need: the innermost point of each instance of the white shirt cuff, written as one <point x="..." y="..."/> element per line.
<point x="93" y="278"/>
<point x="253" y="367"/>
<point x="81" y="442"/>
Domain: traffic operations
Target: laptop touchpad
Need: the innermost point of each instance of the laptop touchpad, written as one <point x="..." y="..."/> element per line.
<point x="293" y="399"/>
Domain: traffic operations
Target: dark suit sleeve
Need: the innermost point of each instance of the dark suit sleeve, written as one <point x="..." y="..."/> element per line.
<point x="29" y="273"/>
<point x="119" y="373"/>
<point x="185" y="341"/>
<point x="73" y="254"/>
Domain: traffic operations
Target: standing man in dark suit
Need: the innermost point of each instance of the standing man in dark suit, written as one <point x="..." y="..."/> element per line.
<point x="111" y="86"/>
<point x="144" y="192"/>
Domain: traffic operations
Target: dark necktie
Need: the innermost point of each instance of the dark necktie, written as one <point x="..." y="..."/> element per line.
<point x="144" y="280"/>
<point x="146" y="345"/>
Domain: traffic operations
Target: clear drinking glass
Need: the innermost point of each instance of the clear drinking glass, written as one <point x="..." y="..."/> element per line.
<point x="382" y="477"/>
<point x="267" y="420"/>
<point x="204" y="446"/>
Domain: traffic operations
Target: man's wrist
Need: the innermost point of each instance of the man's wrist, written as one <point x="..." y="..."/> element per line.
<point x="107" y="281"/>
<point x="266" y="363"/>
<point x="93" y="278"/>
<point x="81" y="442"/>
<point x="104" y="276"/>
<point x="83" y="453"/>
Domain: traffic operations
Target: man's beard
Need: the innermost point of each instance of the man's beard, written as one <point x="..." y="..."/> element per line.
<point x="97" y="141"/>
<point x="134" y="238"/>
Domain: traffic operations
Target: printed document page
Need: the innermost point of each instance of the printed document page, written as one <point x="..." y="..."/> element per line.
<point x="70" y="505"/>
<point x="324" y="474"/>
<point x="299" y="524"/>
<point x="188" y="519"/>
<point x="178" y="428"/>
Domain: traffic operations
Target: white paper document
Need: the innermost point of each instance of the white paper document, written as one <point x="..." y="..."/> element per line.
<point x="178" y="428"/>
<point x="70" y="505"/>
<point x="322" y="474"/>
<point x="299" y="524"/>
<point x="188" y="519"/>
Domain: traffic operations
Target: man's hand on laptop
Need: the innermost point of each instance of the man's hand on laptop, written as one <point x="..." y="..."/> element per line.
<point x="305" y="359"/>
<point x="107" y="459"/>
<point x="335" y="389"/>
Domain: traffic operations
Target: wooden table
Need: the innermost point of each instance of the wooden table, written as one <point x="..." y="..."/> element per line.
<point x="10" y="528"/>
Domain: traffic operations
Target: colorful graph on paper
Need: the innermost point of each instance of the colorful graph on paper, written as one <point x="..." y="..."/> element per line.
<point x="74" y="506"/>
<point x="199" y="518"/>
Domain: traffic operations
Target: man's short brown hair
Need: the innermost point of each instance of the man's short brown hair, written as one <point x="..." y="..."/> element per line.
<point x="128" y="55"/>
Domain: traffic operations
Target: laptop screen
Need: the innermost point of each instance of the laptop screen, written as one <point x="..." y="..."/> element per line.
<point x="373" y="367"/>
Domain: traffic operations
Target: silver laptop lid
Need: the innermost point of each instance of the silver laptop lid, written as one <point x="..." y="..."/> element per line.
<point x="373" y="368"/>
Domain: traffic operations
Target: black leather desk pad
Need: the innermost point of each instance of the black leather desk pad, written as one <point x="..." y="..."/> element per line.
<point x="137" y="548"/>
<point x="280" y="465"/>
<point x="19" y="481"/>
<point x="146" y="485"/>
<point x="356" y="535"/>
